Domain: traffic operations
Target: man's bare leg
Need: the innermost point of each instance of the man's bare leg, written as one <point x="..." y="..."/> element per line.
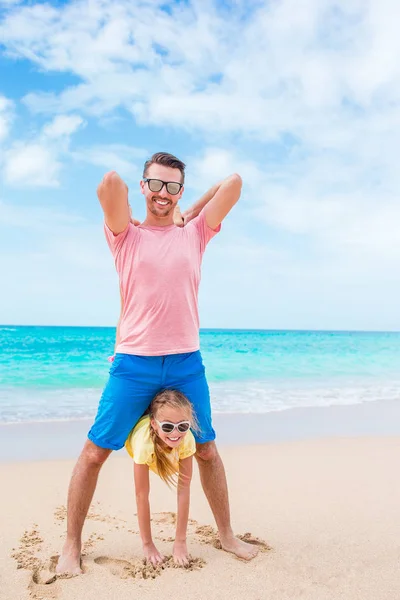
<point x="80" y="494"/>
<point x="213" y="480"/>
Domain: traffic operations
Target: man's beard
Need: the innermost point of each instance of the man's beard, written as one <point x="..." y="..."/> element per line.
<point x="157" y="209"/>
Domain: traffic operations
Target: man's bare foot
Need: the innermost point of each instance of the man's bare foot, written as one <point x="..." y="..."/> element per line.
<point x="69" y="561"/>
<point x="239" y="548"/>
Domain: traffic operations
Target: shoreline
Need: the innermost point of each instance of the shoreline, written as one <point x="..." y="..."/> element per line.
<point x="63" y="439"/>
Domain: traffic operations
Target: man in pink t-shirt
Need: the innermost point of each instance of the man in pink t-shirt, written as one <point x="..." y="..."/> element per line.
<point x="159" y="268"/>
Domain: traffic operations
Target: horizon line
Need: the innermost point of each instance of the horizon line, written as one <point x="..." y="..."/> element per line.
<point x="204" y="329"/>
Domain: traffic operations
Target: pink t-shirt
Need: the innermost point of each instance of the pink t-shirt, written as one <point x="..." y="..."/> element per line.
<point x="159" y="271"/>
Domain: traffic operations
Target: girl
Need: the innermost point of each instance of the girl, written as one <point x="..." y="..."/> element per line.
<point x="163" y="443"/>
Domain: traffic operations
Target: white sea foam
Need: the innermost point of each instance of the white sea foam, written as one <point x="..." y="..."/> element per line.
<point x="227" y="397"/>
<point x="262" y="397"/>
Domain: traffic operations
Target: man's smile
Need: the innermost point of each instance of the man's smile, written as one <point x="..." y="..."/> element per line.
<point x="161" y="202"/>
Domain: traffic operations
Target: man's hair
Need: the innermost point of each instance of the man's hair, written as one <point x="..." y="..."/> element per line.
<point x="167" y="160"/>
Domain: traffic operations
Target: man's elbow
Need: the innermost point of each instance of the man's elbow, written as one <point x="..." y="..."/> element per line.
<point x="236" y="181"/>
<point x="106" y="182"/>
<point x="110" y="179"/>
<point x="110" y="185"/>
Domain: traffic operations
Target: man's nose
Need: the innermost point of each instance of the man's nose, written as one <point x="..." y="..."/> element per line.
<point x="164" y="192"/>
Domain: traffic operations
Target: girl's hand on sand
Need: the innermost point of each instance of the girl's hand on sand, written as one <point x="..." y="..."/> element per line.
<point x="152" y="555"/>
<point x="180" y="554"/>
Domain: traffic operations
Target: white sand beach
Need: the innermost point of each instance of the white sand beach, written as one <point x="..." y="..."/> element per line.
<point x="325" y="513"/>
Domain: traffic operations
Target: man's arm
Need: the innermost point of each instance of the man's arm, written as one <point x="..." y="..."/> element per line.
<point x="113" y="195"/>
<point x="219" y="200"/>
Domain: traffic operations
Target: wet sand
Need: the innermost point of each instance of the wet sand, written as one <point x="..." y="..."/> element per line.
<point x="64" y="439"/>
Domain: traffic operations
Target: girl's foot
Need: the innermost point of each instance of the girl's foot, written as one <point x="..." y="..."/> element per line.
<point x="180" y="554"/>
<point x="152" y="555"/>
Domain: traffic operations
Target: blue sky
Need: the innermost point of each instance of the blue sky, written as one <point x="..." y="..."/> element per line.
<point x="304" y="104"/>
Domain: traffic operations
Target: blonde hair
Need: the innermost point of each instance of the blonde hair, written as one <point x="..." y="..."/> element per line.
<point x="173" y="399"/>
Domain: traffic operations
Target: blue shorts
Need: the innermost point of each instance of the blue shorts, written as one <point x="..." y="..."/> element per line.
<point x="134" y="381"/>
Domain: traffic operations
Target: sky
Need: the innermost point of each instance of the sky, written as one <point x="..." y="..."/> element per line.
<point x="301" y="97"/>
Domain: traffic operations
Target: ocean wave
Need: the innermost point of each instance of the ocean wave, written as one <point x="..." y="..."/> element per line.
<point x="254" y="397"/>
<point x="262" y="397"/>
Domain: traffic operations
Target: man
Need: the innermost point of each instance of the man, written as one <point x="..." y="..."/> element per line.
<point x="159" y="271"/>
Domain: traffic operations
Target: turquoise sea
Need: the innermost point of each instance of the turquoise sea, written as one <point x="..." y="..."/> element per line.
<point x="49" y="373"/>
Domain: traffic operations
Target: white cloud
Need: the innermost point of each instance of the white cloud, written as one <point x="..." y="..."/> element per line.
<point x="216" y="163"/>
<point x="6" y="116"/>
<point x="36" y="163"/>
<point x="127" y="160"/>
<point x="274" y="62"/>
<point x="305" y="104"/>
<point x="40" y="219"/>
<point x="62" y="125"/>
<point x="65" y="251"/>
<point x="31" y="165"/>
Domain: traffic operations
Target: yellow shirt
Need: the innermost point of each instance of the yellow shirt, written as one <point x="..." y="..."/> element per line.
<point x="140" y="446"/>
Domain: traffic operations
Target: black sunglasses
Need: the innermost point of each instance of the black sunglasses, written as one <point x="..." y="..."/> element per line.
<point x="156" y="185"/>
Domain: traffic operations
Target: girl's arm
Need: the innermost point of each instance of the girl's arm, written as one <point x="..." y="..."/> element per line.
<point x="180" y="553"/>
<point x="142" y="486"/>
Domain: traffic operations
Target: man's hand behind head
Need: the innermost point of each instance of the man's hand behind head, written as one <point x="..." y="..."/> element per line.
<point x="178" y="219"/>
<point x="133" y="221"/>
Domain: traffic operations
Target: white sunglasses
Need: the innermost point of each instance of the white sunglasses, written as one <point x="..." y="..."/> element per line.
<point x="168" y="427"/>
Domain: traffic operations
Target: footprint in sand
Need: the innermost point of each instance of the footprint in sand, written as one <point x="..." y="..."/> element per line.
<point x="167" y="522"/>
<point x="168" y="518"/>
<point x="42" y="573"/>
<point x="43" y="581"/>
<point x="208" y="535"/>
<point x="125" y="569"/>
<point x="205" y="533"/>
<point x="42" y="577"/>
<point x="251" y="539"/>
<point x="60" y="515"/>
<point x="140" y="569"/>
